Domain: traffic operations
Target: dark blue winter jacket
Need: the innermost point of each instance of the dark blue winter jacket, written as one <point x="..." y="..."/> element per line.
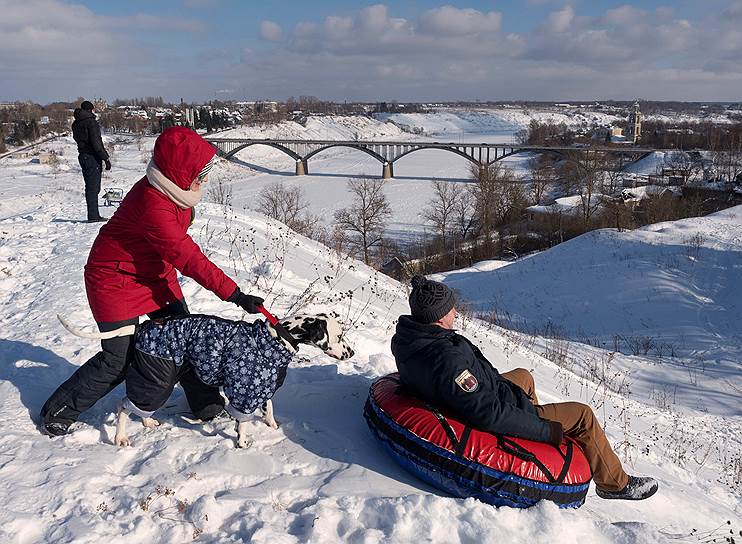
<point x="430" y="359"/>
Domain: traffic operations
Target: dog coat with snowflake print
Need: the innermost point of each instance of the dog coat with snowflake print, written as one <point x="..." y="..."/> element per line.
<point x="243" y="358"/>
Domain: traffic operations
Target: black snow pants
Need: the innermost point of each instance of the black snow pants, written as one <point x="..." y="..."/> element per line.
<point x="92" y="169"/>
<point x="150" y="380"/>
<point x="107" y="369"/>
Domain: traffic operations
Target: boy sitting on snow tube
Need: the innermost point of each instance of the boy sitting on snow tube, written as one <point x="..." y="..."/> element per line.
<point x="445" y="369"/>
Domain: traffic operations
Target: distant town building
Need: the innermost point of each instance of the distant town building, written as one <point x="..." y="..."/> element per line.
<point x="634" y="128"/>
<point x="394" y="268"/>
<point x="266" y="106"/>
<point x="190" y="118"/>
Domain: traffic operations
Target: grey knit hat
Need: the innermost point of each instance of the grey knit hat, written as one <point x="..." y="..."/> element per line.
<point x="430" y="300"/>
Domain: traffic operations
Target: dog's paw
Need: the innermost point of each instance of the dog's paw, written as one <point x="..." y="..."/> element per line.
<point x="122" y="441"/>
<point x="272" y="423"/>
<point x="150" y="423"/>
<point x="244" y="442"/>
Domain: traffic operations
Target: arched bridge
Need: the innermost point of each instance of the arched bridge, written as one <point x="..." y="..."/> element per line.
<point x="387" y="153"/>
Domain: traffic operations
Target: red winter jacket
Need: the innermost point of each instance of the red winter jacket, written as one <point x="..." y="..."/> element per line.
<point x="131" y="266"/>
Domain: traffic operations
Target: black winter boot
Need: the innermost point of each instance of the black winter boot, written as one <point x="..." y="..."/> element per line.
<point x="638" y="489"/>
<point x="56" y="429"/>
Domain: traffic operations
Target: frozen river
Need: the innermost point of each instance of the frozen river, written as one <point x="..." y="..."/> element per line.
<point x="325" y="187"/>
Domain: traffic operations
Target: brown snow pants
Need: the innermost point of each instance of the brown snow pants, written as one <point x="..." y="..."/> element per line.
<point x="579" y="423"/>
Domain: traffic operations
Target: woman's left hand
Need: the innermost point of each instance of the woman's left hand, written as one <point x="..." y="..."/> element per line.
<point x="249" y="303"/>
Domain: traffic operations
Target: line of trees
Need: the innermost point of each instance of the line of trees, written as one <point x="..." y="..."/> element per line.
<point x="21" y="124"/>
<point x="539" y="133"/>
<point x="146" y="102"/>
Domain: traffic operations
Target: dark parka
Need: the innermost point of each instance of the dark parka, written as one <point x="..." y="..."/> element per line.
<point x="429" y="358"/>
<point x="86" y="132"/>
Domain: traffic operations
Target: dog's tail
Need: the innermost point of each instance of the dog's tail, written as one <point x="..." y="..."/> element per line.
<point x="126" y="330"/>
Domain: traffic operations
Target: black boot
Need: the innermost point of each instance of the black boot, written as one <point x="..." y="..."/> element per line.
<point x="56" y="429"/>
<point x="638" y="489"/>
<point x="56" y="420"/>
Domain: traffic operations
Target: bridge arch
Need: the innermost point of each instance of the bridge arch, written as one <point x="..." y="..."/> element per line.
<point x="373" y="154"/>
<point x="451" y="149"/>
<point x="278" y="146"/>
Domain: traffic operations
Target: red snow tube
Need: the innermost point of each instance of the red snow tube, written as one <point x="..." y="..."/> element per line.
<point x="465" y="462"/>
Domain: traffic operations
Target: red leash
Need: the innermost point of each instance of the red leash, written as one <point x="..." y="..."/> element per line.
<point x="286" y="335"/>
<point x="269" y="316"/>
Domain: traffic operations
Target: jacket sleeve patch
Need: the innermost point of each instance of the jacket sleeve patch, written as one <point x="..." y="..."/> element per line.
<point x="466" y="381"/>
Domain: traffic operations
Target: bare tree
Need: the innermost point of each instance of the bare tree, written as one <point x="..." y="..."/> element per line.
<point x="618" y="211"/>
<point x="582" y="174"/>
<point x="441" y="209"/>
<point x="464" y="217"/>
<point x="727" y="157"/>
<point x="543" y="176"/>
<point x="285" y="204"/>
<point x="610" y="174"/>
<point x="521" y="136"/>
<point x="492" y="184"/>
<point x="366" y="217"/>
<point x="220" y="193"/>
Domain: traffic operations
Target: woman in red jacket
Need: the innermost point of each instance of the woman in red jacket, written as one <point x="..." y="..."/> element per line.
<point x="131" y="271"/>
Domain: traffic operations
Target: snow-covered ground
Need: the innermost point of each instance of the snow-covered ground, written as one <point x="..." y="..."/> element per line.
<point x="321" y="477"/>
<point x="492" y="125"/>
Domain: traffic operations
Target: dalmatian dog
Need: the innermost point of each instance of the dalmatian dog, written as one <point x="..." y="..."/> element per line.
<point x="247" y="360"/>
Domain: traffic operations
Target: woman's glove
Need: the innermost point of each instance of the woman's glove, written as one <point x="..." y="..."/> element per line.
<point x="249" y="303"/>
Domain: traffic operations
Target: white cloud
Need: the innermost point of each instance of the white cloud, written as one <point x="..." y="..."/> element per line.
<point x="145" y="20"/>
<point x="449" y="32"/>
<point x="338" y="28"/>
<point x="66" y="49"/>
<point x="455" y="21"/>
<point x="624" y="15"/>
<point x="43" y="13"/>
<point x="470" y="53"/>
<point x="559" y="21"/>
<point x="270" y="31"/>
<point x="201" y="4"/>
<point x="733" y="10"/>
<point x="59" y="50"/>
<point x="373" y="18"/>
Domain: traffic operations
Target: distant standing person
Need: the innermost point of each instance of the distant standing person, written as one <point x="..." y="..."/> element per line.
<point x="92" y="155"/>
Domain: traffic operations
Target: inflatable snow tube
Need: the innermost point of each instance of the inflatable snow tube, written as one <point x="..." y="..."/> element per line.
<point x="465" y="462"/>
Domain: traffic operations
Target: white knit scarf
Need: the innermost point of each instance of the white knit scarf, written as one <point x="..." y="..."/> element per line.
<point x="183" y="198"/>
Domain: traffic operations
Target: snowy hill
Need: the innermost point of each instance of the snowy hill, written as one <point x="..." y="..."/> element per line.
<point x="321" y="477"/>
<point x="669" y="289"/>
<point x="676" y="282"/>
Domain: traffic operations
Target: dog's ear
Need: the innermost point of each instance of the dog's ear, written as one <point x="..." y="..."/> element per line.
<point x="317" y="330"/>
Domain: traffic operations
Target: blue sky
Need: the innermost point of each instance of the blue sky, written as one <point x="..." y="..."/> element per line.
<point x="347" y="50"/>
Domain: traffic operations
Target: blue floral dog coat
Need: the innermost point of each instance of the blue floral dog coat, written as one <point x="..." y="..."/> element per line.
<point x="244" y="359"/>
